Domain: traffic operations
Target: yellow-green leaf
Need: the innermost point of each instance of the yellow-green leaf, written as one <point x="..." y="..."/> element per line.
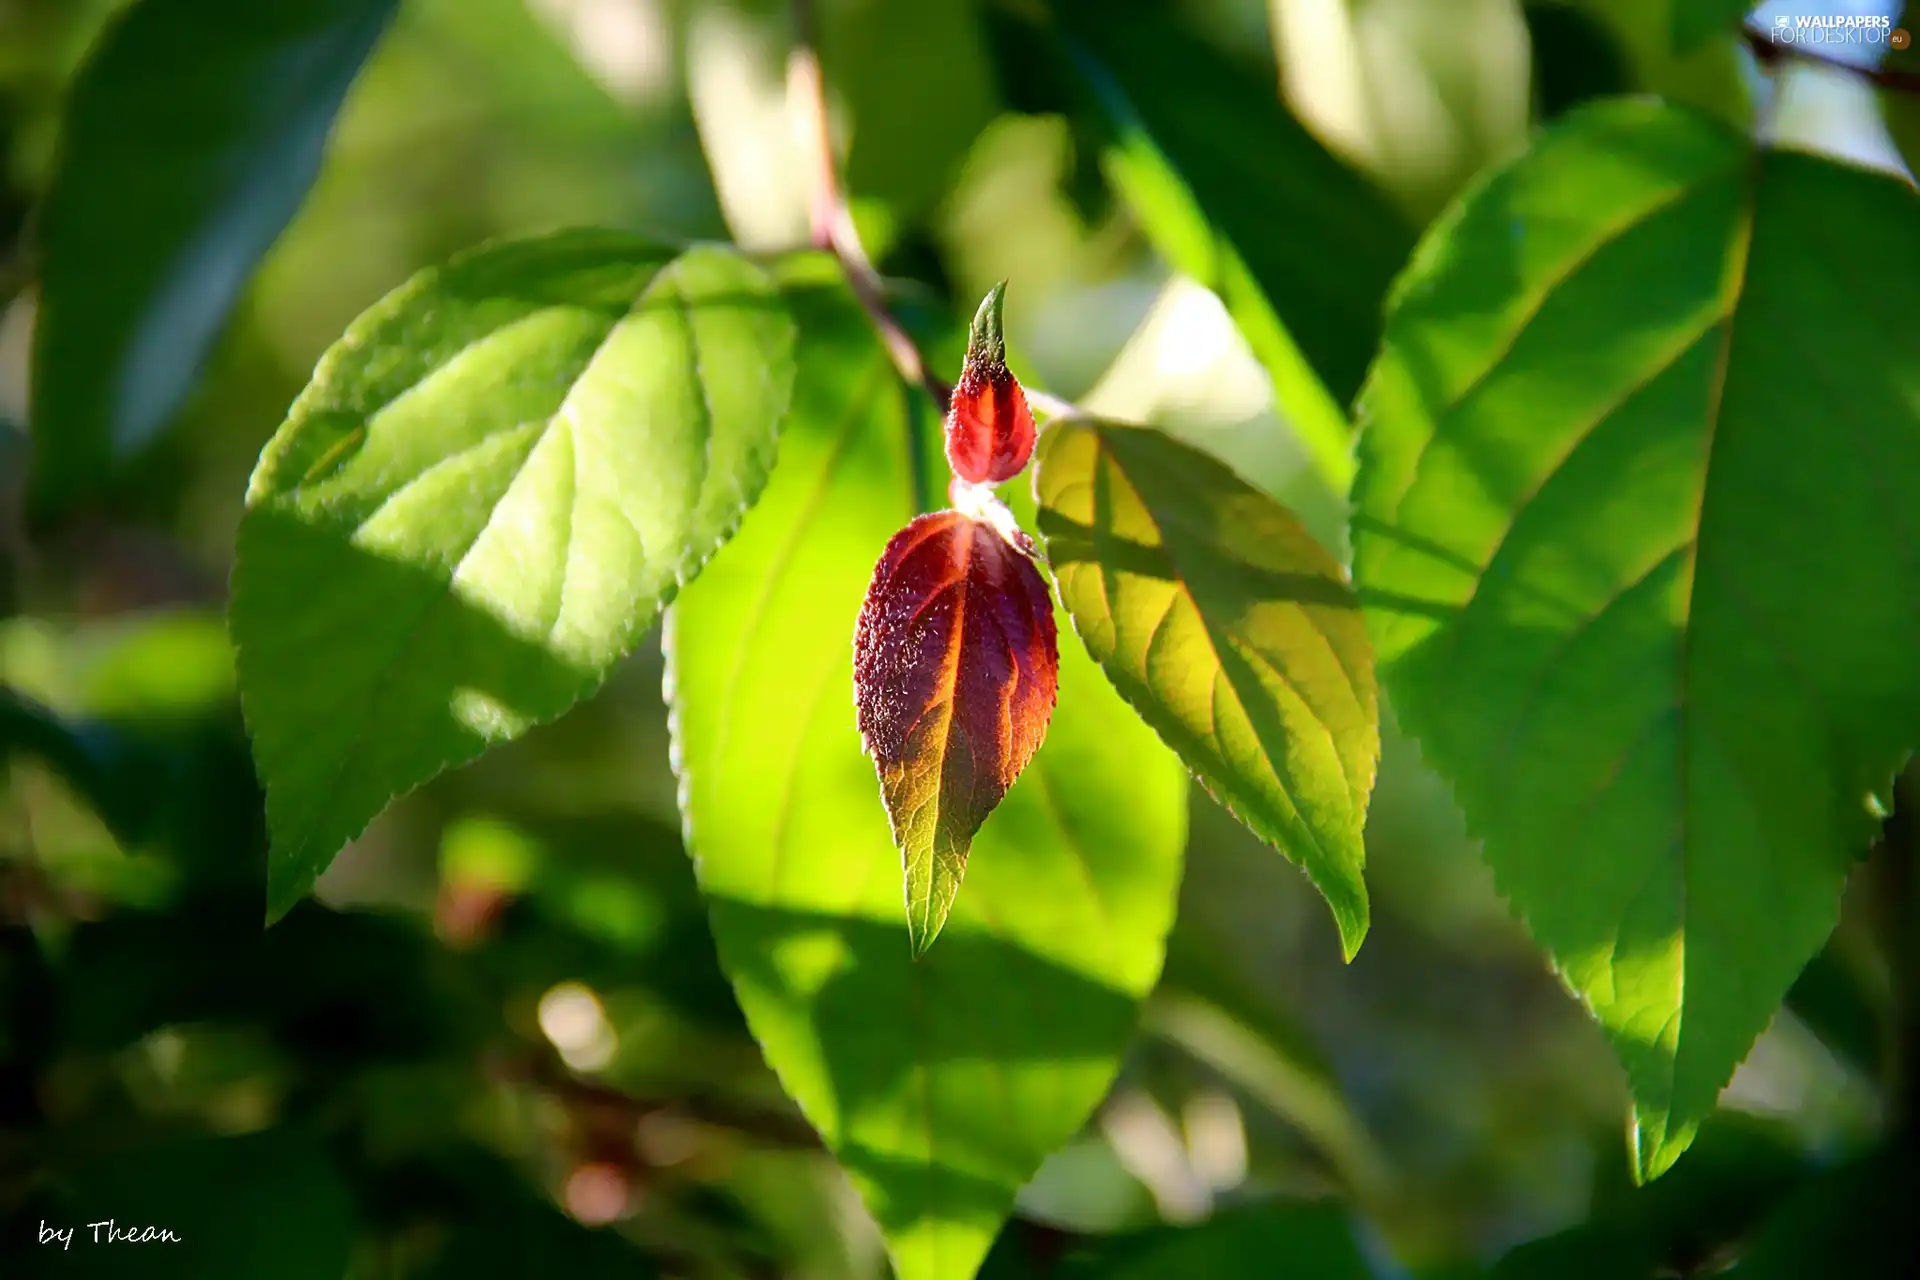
<point x="1230" y="630"/>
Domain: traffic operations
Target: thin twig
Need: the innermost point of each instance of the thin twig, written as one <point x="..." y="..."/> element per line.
<point x="831" y="220"/>
<point x="1049" y="405"/>
<point x="1767" y="53"/>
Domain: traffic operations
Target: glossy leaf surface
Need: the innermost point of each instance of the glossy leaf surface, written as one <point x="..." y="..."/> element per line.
<point x="491" y="485"/>
<point x="1230" y="630"/>
<point x="940" y="1083"/>
<point x="1637" y="560"/>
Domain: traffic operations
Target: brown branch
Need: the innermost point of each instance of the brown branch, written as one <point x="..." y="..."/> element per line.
<point x="830" y="219"/>
<point x="1769" y="54"/>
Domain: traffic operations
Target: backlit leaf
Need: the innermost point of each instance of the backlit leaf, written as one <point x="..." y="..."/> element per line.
<point x="190" y="138"/>
<point x="1639" y="488"/>
<point x="491" y="485"/>
<point x="1230" y="630"/>
<point x="955" y="670"/>
<point x="939" y="1084"/>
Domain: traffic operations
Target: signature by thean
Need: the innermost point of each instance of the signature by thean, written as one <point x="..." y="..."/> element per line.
<point x="106" y="1231"/>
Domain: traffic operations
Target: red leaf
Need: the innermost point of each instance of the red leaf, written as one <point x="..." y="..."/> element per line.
<point x="955" y="668"/>
<point x="989" y="426"/>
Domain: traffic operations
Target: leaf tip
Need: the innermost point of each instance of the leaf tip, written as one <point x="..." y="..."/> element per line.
<point x="1657" y="1143"/>
<point x="986" y="340"/>
<point x="278" y="904"/>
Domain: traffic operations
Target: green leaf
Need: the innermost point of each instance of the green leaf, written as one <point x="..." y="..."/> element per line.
<point x="1861" y="1211"/>
<point x="1235" y="192"/>
<point x="191" y="136"/>
<point x="1230" y="630"/>
<point x="1639" y="484"/>
<point x="492" y="484"/>
<point x="1900" y="103"/>
<point x="1251" y="1243"/>
<point x="1583" y="1252"/>
<point x="1695" y="22"/>
<point x="1708" y="77"/>
<point x="1576" y="57"/>
<point x="939" y="1084"/>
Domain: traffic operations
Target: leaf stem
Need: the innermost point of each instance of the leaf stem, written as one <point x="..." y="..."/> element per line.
<point x="832" y="222"/>
<point x="833" y="230"/>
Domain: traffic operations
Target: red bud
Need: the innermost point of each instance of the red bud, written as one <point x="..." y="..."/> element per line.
<point x="989" y="426"/>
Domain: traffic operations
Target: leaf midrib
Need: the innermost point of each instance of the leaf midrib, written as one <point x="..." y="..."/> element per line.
<point x="441" y="599"/>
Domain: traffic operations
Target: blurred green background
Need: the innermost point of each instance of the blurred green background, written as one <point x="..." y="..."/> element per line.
<point x="499" y="1040"/>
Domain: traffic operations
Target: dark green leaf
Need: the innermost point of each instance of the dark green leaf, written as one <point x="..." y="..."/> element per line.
<point x="1575" y="58"/>
<point x="1235" y="192"/>
<point x="1230" y="630"/>
<point x="1858" y="1216"/>
<point x="1709" y="77"/>
<point x="479" y="504"/>
<point x="1695" y="22"/>
<point x="1585" y="1252"/>
<point x="1639" y="479"/>
<point x="1255" y="1242"/>
<point x="1900" y="103"/>
<point x="939" y="1084"/>
<point x="191" y="137"/>
<point x="268" y="1204"/>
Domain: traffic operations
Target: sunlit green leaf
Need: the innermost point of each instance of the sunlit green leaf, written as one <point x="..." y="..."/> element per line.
<point x="1639" y="485"/>
<point x="190" y="138"/>
<point x="492" y="484"/>
<point x="939" y="1084"/>
<point x="1230" y="630"/>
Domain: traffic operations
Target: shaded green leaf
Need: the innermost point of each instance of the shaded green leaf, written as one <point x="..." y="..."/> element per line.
<point x="1576" y="57"/>
<point x="491" y="485"/>
<point x="191" y="136"/>
<point x="1708" y="77"/>
<point x="939" y="1084"/>
<point x="1584" y="1252"/>
<point x="1230" y="630"/>
<point x="1900" y="103"/>
<point x="1255" y="1242"/>
<point x="1636" y="497"/>
<point x="1695" y="22"/>
<point x="1859" y="1214"/>
<point x="1235" y="192"/>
